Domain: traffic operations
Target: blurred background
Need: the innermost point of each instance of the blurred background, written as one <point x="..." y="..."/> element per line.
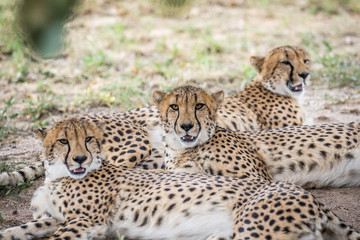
<point x="60" y="58"/>
<point x="63" y="57"/>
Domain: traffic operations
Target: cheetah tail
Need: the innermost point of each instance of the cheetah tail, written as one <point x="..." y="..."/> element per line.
<point x="23" y="175"/>
<point x="334" y="228"/>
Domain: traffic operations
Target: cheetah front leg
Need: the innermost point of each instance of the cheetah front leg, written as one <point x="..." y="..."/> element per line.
<point x="38" y="228"/>
<point x="80" y="229"/>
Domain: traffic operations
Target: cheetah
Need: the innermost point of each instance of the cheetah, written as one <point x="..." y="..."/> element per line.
<point x="271" y="100"/>
<point x="119" y="135"/>
<point x="311" y="156"/>
<point x="85" y="197"/>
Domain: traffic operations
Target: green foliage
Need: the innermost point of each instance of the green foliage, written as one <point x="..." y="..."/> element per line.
<point x="96" y="64"/>
<point x="126" y="93"/>
<point x="339" y="70"/>
<point x="335" y="70"/>
<point x="333" y="6"/>
<point x="10" y="166"/>
<point x="39" y="107"/>
<point x="6" y="115"/>
<point x="173" y="8"/>
<point x="11" y="43"/>
<point x="14" y="191"/>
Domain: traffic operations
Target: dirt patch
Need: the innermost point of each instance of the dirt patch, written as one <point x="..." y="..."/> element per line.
<point x="16" y="210"/>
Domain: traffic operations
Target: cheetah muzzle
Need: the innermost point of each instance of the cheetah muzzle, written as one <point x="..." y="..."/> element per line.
<point x="297" y="88"/>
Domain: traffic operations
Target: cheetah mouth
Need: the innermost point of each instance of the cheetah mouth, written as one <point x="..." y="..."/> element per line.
<point x="188" y="138"/>
<point x="78" y="171"/>
<point x="296" y="88"/>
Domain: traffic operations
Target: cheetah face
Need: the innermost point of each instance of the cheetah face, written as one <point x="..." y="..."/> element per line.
<point x="285" y="70"/>
<point x="71" y="148"/>
<point x="188" y="115"/>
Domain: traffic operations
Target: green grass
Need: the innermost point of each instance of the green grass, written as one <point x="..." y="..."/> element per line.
<point x="37" y="108"/>
<point x="10" y="166"/>
<point x="14" y="191"/>
<point x="334" y="6"/>
<point x="331" y="7"/>
<point x="173" y="8"/>
<point x="126" y="93"/>
<point x="11" y="43"/>
<point x="7" y="113"/>
<point x="339" y="70"/>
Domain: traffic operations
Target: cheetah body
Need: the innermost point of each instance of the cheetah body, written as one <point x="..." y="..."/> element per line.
<point x="310" y="156"/>
<point x="271" y="100"/>
<point x="124" y="143"/>
<point x="266" y="103"/>
<point x="86" y="198"/>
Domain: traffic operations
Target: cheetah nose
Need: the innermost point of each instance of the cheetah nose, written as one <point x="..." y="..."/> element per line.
<point x="80" y="159"/>
<point x="304" y="75"/>
<point x="187" y="126"/>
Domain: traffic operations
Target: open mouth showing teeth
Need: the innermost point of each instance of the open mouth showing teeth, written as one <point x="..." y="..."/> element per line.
<point x="297" y="88"/>
<point x="78" y="171"/>
<point x="188" y="138"/>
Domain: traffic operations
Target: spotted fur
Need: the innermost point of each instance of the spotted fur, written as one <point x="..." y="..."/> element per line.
<point x="311" y="156"/>
<point x="114" y="200"/>
<point x="124" y="143"/>
<point x="270" y="100"/>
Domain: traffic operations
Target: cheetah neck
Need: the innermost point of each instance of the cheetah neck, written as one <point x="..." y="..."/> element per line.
<point x="173" y="148"/>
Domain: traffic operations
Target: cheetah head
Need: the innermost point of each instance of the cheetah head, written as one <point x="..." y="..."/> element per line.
<point x="188" y="115"/>
<point x="72" y="148"/>
<point x="284" y="70"/>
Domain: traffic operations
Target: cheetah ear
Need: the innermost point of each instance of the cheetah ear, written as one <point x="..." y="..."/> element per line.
<point x="41" y="133"/>
<point x="101" y="125"/>
<point x="218" y="97"/>
<point x="257" y="63"/>
<point x="158" y="96"/>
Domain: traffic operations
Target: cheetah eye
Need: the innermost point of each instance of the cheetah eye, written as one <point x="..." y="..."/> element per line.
<point x="174" y="107"/>
<point x="306" y="61"/>
<point x="199" y="106"/>
<point x="88" y="139"/>
<point x="285" y="62"/>
<point x="63" y="141"/>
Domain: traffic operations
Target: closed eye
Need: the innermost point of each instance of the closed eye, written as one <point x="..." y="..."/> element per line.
<point x="306" y="61"/>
